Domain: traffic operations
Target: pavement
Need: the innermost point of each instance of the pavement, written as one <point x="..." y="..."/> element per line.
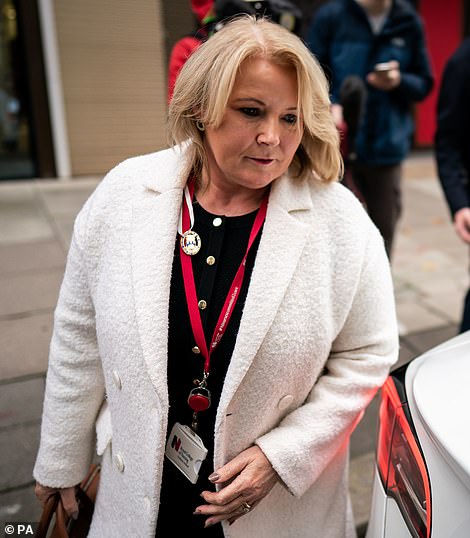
<point x="430" y="272"/>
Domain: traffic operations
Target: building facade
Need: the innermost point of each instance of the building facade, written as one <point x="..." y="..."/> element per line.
<point x="83" y="85"/>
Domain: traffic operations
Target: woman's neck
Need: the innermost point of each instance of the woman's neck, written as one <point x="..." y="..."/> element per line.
<point x="231" y="202"/>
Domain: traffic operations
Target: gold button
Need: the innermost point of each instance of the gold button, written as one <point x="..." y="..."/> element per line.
<point x="217" y="221"/>
<point x="196" y="350"/>
<point x="210" y="260"/>
<point x="202" y="304"/>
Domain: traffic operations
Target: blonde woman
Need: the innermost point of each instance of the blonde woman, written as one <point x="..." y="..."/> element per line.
<point x="235" y="305"/>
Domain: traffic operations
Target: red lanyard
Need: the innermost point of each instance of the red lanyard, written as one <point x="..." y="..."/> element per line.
<point x="231" y="299"/>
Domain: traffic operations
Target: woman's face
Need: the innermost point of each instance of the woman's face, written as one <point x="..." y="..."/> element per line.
<point x="260" y="130"/>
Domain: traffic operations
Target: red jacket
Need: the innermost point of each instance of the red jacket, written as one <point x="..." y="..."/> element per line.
<point x="185" y="46"/>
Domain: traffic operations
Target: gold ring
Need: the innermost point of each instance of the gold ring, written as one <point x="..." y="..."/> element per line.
<point x="246" y="507"/>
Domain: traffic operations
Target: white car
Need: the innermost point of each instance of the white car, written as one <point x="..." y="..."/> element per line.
<point x="422" y="473"/>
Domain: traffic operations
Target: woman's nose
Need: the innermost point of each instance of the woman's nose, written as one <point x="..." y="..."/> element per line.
<point x="268" y="133"/>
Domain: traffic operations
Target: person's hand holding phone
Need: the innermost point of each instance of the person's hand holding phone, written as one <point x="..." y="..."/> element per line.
<point x="385" y="76"/>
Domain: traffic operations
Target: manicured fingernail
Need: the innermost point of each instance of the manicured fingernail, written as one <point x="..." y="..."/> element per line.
<point x="209" y="523"/>
<point x="74" y="515"/>
<point x="196" y="512"/>
<point x="214" y="477"/>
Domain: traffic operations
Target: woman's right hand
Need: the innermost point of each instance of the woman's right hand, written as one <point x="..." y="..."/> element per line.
<point x="67" y="496"/>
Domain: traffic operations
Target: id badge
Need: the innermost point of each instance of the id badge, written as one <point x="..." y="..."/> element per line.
<point x="186" y="451"/>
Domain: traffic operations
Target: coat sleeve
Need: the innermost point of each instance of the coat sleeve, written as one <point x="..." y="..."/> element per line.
<point x="308" y="439"/>
<point x="74" y="384"/>
<point x="453" y="113"/>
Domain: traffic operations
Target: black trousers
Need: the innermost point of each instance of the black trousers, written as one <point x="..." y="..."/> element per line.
<point x="380" y="190"/>
<point x="465" y="322"/>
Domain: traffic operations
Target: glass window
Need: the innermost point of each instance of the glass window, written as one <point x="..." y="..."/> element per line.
<point x="15" y="141"/>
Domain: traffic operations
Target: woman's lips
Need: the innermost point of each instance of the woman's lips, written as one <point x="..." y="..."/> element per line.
<point x="262" y="161"/>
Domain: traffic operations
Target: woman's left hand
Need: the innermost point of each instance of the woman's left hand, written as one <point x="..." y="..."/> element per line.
<point x="249" y="477"/>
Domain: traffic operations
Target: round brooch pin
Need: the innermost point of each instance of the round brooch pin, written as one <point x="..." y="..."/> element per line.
<point x="190" y="243"/>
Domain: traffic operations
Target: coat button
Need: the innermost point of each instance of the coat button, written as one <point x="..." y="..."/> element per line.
<point x="210" y="260"/>
<point x="202" y="304"/>
<point x="285" y="401"/>
<point x="119" y="462"/>
<point x="217" y="221"/>
<point x="147" y="502"/>
<point x="117" y="380"/>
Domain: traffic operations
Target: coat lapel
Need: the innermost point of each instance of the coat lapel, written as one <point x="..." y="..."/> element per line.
<point x="155" y="215"/>
<point x="283" y="239"/>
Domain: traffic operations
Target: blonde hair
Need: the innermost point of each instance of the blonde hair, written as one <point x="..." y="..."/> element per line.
<point x="205" y="83"/>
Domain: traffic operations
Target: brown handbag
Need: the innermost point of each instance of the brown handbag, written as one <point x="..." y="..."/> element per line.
<point x="55" y="523"/>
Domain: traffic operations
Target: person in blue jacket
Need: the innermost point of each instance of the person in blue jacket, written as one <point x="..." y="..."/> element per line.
<point x="381" y="41"/>
<point x="452" y="147"/>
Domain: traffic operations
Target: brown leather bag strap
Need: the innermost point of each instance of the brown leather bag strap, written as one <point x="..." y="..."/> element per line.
<point x="65" y="527"/>
<point x="60" y="529"/>
<point x="52" y="507"/>
<point x="90" y="483"/>
<point x="46" y="516"/>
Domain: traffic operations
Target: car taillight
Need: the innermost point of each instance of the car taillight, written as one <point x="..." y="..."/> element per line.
<point x="401" y="465"/>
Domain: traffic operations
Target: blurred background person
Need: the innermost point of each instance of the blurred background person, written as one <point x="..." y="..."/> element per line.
<point x="211" y="17"/>
<point x="205" y="17"/>
<point x="452" y="147"/>
<point x="382" y="42"/>
<point x="283" y="12"/>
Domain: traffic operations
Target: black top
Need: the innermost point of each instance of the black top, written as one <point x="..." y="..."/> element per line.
<point x="225" y="239"/>
<point x="452" y="140"/>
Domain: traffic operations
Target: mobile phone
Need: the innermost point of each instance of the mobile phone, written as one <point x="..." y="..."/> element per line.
<point x="382" y="67"/>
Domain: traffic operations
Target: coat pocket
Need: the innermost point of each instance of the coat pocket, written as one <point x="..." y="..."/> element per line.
<point x="104" y="429"/>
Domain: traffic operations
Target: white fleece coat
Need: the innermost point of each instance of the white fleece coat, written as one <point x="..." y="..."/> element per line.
<point x="317" y="337"/>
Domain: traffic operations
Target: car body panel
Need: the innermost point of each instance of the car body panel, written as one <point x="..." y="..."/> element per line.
<point x="436" y="399"/>
<point x="376" y="525"/>
<point x="395" y="524"/>
<point x="438" y="393"/>
<point x="441" y="393"/>
<point x="385" y="519"/>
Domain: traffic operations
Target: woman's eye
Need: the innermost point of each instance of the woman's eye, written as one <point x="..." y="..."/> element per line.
<point x="250" y="111"/>
<point x="291" y="119"/>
